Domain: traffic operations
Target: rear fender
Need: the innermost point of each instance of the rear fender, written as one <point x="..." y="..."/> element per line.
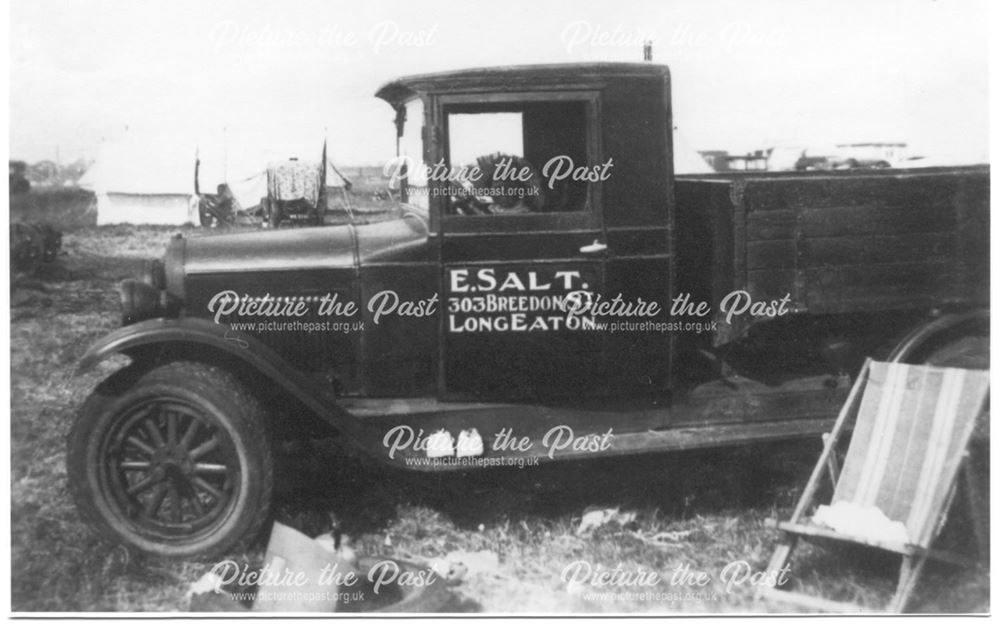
<point x="930" y="331"/>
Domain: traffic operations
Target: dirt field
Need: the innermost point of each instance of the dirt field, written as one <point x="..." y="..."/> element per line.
<point x="702" y="511"/>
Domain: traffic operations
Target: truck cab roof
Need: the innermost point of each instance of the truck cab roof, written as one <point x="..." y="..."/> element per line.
<point x="515" y="78"/>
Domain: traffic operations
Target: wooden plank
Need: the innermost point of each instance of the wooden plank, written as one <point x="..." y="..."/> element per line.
<point x="840" y="241"/>
<point x="771" y="254"/>
<point x="811" y="530"/>
<point x="826" y="192"/>
<point x="754" y="403"/>
<point x="704" y="218"/>
<point x="771" y="225"/>
<point x="832" y="465"/>
<point x="847" y="412"/>
<point x="880" y="286"/>
<point x="771" y="284"/>
<point x="878" y="218"/>
<point x="624" y="443"/>
<point x="866" y="250"/>
<point x="812" y="603"/>
<point x="814" y="531"/>
<point x="867" y="287"/>
<point x="975" y="483"/>
<point x="739" y="240"/>
<point x="779" y="559"/>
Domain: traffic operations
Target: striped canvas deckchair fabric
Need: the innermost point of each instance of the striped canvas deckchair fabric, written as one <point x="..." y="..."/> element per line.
<point x="912" y="429"/>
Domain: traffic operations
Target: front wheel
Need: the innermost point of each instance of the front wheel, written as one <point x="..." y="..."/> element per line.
<point x="174" y="463"/>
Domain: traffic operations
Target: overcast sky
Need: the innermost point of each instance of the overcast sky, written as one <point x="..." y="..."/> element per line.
<point x="746" y="74"/>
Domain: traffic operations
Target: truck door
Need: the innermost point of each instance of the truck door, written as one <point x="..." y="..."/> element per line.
<point x="516" y="238"/>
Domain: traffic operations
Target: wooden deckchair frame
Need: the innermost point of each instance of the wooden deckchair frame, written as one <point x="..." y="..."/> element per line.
<point x="913" y="557"/>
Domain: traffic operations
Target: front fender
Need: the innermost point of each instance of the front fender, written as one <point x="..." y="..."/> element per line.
<point x="133" y="340"/>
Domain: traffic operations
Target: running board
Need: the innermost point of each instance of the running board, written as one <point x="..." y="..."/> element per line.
<point x="408" y="448"/>
<point x="399" y="431"/>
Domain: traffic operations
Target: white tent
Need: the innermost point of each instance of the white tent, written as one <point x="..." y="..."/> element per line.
<point x="143" y="179"/>
<point x="150" y="178"/>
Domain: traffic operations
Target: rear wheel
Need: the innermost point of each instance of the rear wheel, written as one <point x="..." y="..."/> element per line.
<point x="964" y="345"/>
<point x="959" y="342"/>
<point x="174" y="463"/>
<point x="971" y="351"/>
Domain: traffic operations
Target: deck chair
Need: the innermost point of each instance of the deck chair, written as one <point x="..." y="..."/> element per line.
<point x="911" y="428"/>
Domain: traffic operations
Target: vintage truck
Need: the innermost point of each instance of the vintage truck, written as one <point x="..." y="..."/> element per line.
<point x="604" y="307"/>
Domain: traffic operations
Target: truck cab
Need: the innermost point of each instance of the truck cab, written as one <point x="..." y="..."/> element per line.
<point x="593" y="146"/>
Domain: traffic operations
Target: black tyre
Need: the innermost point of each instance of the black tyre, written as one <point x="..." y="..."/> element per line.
<point x="205" y="214"/>
<point x="969" y="351"/>
<point x="965" y="345"/>
<point x="174" y="462"/>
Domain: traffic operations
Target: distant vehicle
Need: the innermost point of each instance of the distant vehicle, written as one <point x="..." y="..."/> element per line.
<point x="296" y="191"/>
<point x="855" y="163"/>
<point x="814" y="163"/>
<point x="830" y="158"/>
<point x="872" y="154"/>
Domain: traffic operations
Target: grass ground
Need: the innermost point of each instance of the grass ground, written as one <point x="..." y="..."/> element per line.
<point x="700" y="511"/>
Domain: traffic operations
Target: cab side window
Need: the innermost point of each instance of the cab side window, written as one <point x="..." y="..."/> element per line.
<point x="505" y="158"/>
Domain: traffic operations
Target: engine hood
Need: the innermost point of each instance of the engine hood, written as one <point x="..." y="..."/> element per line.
<point x="334" y="247"/>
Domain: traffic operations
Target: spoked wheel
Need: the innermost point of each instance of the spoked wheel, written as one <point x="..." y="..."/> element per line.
<point x="177" y="464"/>
<point x="168" y="468"/>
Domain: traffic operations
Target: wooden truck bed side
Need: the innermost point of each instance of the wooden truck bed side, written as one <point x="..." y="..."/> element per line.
<point x="836" y="242"/>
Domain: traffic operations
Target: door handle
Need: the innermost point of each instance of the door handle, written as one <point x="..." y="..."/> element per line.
<point x="594" y="248"/>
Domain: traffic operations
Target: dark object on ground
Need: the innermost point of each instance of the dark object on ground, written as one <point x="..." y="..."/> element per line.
<point x="219" y="209"/>
<point x="16" y="175"/>
<point x="31" y="244"/>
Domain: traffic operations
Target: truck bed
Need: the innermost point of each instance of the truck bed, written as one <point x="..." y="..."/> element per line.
<point x="836" y="242"/>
